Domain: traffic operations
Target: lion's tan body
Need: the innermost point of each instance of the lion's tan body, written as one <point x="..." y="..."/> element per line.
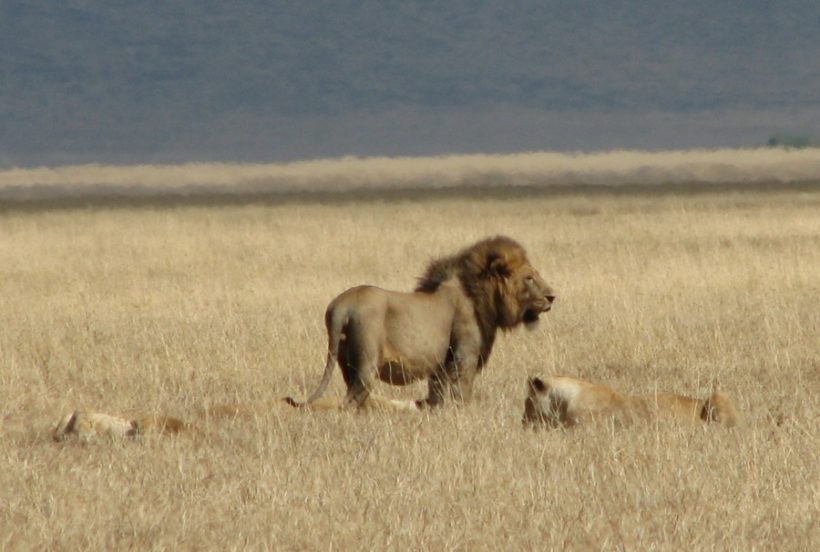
<point x="442" y="332"/>
<point x="561" y="401"/>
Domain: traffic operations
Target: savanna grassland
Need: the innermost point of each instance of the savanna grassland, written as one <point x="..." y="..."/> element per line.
<point x="150" y="308"/>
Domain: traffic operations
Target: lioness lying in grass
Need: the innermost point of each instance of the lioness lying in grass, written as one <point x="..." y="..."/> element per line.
<point x="88" y="425"/>
<point x="561" y="401"/>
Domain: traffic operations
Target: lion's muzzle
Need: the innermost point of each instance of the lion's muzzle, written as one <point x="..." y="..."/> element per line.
<point x="535" y="310"/>
<point x="548" y="300"/>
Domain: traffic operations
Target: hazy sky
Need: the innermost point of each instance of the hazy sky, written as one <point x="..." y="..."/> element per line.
<point x="156" y="81"/>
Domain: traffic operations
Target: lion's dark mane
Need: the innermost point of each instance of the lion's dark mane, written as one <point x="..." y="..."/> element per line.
<point x="479" y="271"/>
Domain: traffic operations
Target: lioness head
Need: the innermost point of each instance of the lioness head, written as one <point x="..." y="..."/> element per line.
<point x="542" y="408"/>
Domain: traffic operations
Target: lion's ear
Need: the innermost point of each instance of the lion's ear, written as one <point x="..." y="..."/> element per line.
<point x="497" y="266"/>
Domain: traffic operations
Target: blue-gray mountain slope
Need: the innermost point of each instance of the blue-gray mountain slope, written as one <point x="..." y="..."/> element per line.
<point x="172" y="81"/>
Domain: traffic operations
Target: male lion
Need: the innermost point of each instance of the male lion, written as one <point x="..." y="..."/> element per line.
<point x="443" y="331"/>
<point x="561" y="401"/>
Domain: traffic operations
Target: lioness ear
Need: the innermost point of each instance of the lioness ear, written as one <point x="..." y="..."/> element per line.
<point x="65" y="427"/>
<point x="72" y="421"/>
<point x="537" y="385"/>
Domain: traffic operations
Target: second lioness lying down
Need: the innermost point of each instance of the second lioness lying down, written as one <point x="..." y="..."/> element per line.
<point x="562" y="401"/>
<point x="88" y="425"/>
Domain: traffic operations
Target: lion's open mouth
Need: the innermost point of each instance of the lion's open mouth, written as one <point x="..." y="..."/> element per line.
<point x="530" y="316"/>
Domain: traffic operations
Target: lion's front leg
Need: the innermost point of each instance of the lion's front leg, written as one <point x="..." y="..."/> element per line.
<point x="461" y="367"/>
<point x="453" y="381"/>
<point x="460" y="379"/>
<point x="436" y="390"/>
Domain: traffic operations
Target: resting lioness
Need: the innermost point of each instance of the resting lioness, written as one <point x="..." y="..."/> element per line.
<point x="561" y="401"/>
<point x="88" y="425"/>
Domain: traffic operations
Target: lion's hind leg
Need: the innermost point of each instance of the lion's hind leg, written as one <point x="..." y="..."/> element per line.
<point x="358" y="360"/>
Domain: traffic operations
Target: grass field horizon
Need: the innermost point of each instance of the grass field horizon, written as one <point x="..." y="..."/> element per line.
<point x="152" y="309"/>
<point x="363" y="175"/>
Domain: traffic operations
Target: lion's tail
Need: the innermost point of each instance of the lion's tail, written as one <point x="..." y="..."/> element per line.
<point x="336" y="321"/>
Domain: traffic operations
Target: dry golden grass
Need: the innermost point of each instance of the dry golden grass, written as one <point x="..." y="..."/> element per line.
<point x="136" y="310"/>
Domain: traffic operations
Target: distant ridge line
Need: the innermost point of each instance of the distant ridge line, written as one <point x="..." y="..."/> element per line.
<point x="528" y="172"/>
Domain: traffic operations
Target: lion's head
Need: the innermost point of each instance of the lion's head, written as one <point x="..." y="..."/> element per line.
<point x="523" y="293"/>
<point x="498" y="276"/>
